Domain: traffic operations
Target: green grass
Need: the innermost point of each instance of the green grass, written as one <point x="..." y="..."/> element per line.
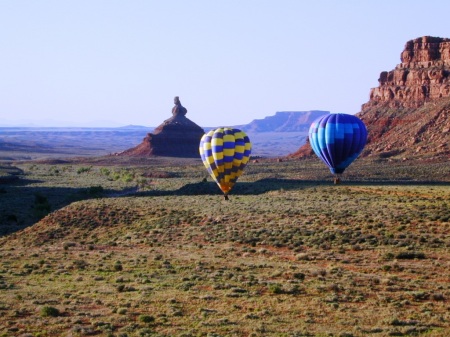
<point x="290" y="254"/>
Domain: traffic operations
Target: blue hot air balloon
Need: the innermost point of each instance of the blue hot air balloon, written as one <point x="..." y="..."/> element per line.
<point x="337" y="139"/>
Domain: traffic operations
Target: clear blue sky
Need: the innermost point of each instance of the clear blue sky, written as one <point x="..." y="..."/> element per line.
<point x="85" y="62"/>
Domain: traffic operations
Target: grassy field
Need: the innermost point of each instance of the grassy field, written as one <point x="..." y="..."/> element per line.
<point x="148" y="247"/>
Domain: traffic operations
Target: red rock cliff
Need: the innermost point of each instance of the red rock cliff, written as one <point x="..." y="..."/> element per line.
<point x="423" y="75"/>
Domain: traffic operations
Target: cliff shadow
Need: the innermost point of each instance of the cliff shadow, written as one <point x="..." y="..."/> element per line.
<point x="241" y="188"/>
<point x="23" y="204"/>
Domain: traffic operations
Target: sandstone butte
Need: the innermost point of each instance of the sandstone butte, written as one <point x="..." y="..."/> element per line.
<point x="177" y="136"/>
<point x="408" y="114"/>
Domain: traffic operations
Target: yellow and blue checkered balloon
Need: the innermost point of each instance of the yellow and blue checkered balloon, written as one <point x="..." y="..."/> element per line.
<point x="225" y="152"/>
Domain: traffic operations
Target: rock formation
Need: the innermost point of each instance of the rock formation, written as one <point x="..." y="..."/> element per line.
<point x="408" y="114"/>
<point x="175" y="137"/>
<point x="423" y="75"/>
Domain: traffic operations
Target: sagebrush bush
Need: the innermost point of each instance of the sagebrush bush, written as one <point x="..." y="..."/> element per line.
<point x="48" y="311"/>
<point x="146" y="319"/>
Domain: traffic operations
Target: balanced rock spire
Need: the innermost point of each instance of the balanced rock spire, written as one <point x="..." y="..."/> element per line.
<point x="177" y="136"/>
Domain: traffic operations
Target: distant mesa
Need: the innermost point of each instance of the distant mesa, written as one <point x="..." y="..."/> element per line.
<point x="284" y="121"/>
<point x="175" y="137"/>
<point x="408" y="114"/>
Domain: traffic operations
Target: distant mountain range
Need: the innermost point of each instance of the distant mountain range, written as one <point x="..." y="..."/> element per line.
<point x="272" y="136"/>
<point x="282" y="121"/>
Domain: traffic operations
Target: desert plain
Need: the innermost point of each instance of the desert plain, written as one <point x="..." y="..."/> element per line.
<point x="125" y="247"/>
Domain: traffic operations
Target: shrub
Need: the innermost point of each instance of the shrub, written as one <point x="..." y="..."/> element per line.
<point x="299" y="276"/>
<point x="389" y="256"/>
<point x="275" y="288"/>
<point x="410" y="255"/>
<point x="127" y="177"/>
<point x="67" y="245"/>
<point x="48" y="311"/>
<point x="83" y="169"/>
<point x="122" y="311"/>
<point x="438" y="297"/>
<point x="118" y="266"/>
<point x="146" y="319"/>
<point x="105" y="171"/>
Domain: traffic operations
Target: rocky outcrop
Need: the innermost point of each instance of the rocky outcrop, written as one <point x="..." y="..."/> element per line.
<point x="177" y="136"/>
<point x="422" y="76"/>
<point x="408" y="133"/>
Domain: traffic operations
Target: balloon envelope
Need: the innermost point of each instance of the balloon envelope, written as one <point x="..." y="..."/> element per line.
<point x="337" y="139"/>
<point x="225" y="152"/>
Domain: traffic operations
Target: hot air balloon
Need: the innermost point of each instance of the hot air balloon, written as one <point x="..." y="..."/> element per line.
<point x="337" y="139"/>
<point x="225" y="152"/>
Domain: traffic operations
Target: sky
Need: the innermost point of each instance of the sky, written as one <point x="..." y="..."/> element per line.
<point x="117" y="63"/>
